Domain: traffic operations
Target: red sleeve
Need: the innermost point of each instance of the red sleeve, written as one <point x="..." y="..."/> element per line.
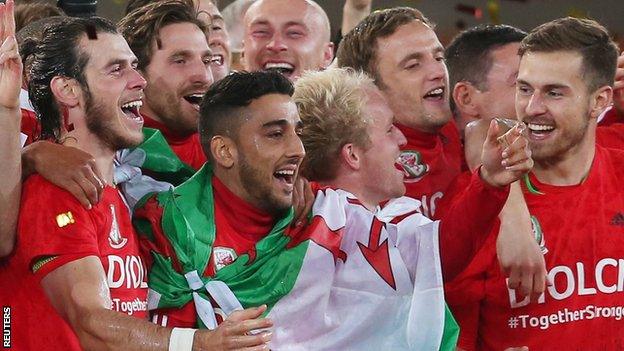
<point x="53" y="223"/>
<point x="30" y="126"/>
<point x="469" y="211"/>
<point x="611" y="136"/>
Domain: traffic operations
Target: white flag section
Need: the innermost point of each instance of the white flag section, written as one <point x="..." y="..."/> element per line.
<point x="384" y="293"/>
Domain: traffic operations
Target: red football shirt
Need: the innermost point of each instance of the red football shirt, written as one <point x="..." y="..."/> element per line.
<point x="187" y="147"/>
<point x="430" y="163"/>
<point x="611" y="136"/>
<point x="53" y="223"/>
<point x="611" y="115"/>
<point x="582" y="232"/>
<point x="239" y="227"/>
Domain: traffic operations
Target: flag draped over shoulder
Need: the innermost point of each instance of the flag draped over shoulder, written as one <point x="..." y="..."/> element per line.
<point x="331" y="286"/>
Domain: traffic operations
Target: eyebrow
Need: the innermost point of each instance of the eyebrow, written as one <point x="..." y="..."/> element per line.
<point x="419" y="55"/>
<point x="120" y="61"/>
<point x="546" y="87"/>
<point x="282" y="123"/>
<point x="187" y="53"/>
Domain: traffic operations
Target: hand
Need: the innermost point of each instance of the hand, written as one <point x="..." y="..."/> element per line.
<point x="10" y="61"/>
<point x="519" y="255"/>
<point x="303" y="199"/>
<point x="237" y="332"/>
<point x="67" y="167"/>
<point x="504" y="164"/>
<point x="618" y="87"/>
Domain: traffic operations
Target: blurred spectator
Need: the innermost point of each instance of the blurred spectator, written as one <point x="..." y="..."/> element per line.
<point x="31" y="12"/>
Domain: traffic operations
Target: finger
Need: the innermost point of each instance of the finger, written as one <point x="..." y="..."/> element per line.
<point x="539" y="284"/>
<point x="75" y="189"/>
<point x="514" y="279"/>
<point x="248" y="313"/>
<point x="522" y="167"/>
<point x="255" y="348"/>
<point x="97" y="183"/>
<point x="9" y="27"/>
<point x="492" y="133"/>
<point x="88" y="188"/>
<point x="244" y="341"/>
<point x="97" y="173"/>
<point x="250" y="326"/>
<point x="4" y="21"/>
<point x="526" y="284"/>
<point x="516" y="158"/>
<point x="8" y="56"/>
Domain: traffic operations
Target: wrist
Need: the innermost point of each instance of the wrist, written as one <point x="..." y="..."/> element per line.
<point x="487" y="178"/>
<point x="182" y="339"/>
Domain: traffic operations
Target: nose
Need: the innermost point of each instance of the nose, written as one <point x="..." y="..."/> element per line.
<point x="535" y="106"/>
<point x="436" y="70"/>
<point x="400" y="137"/>
<point x="136" y="80"/>
<point x="276" y="44"/>
<point x="295" y="148"/>
<point x="201" y="74"/>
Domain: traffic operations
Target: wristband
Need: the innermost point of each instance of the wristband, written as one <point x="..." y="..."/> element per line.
<point x="181" y="339"/>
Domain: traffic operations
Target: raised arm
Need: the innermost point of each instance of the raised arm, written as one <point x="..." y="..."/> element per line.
<point x="79" y="292"/>
<point x="10" y="83"/>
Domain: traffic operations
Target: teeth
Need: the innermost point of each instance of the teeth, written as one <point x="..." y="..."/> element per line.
<point x="196" y="96"/>
<point x="286" y="172"/>
<point x="217" y="59"/>
<point x="540" y="127"/>
<point x="436" y="91"/>
<point x="132" y="104"/>
<point x="284" y="65"/>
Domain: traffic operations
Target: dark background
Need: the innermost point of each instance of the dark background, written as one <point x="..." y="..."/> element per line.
<point x="524" y="14"/>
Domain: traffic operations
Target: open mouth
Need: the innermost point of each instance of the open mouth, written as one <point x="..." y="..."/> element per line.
<point x="286" y="176"/>
<point x="131" y="110"/>
<point x="217" y="60"/>
<point x="540" y="130"/>
<point x="194" y="99"/>
<point x="435" y="94"/>
<point x="282" y="67"/>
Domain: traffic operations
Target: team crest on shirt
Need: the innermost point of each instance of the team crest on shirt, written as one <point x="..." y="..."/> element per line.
<point x="223" y="256"/>
<point x="115" y="239"/>
<point x="538" y="235"/>
<point x="414" y="169"/>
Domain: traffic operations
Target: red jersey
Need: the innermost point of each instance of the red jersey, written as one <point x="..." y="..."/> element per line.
<point x="239" y="226"/>
<point x="430" y="163"/>
<point x="581" y="231"/>
<point x="611" y="136"/>
<point x="54" y="225"/>
<point x="187" y="147"/>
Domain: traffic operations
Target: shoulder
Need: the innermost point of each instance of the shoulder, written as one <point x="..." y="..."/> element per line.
<point x="38" y="189"/>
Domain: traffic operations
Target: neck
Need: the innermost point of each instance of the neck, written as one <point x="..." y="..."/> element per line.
<point x="353" y="184"/>
<point x="82" y="138"/>
<point x="573" y="167"/>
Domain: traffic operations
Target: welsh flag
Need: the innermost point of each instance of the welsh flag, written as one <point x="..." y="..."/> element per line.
<point x="150" y="167"/>
<point x="351" y="280"/>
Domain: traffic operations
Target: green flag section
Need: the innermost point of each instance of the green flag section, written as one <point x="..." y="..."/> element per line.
<point x="184" y="217"/>
<point x="160" y="162"/>
<point x="330" y="286"/>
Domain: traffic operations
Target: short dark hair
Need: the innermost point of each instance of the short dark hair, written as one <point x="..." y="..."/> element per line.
<point x="57" y="54"/>
<point x="28" y="37"/>
<point x="587" y="37"/>
<point x="142" y="26"/>
<point x="220" y="111"/>
<point x="468" y="56"/>
<point x="358" y="48"/>
<point x="135" y="4"/>
<point x="28" y="13"/>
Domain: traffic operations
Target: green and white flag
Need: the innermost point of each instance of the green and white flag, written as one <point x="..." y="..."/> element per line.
<point x="352" y="280"/>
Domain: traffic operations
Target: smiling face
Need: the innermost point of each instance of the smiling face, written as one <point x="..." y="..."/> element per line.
<point x="291" y="36"/>
<point x="552" y="99"/>
<point x="178" y="76"/>
<point x="269" y="153"/>
<point x="383" y="181"/>
<point x="115" y="89"/>
<point x="410" y="63"/>
<point x="219" y="40"/>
